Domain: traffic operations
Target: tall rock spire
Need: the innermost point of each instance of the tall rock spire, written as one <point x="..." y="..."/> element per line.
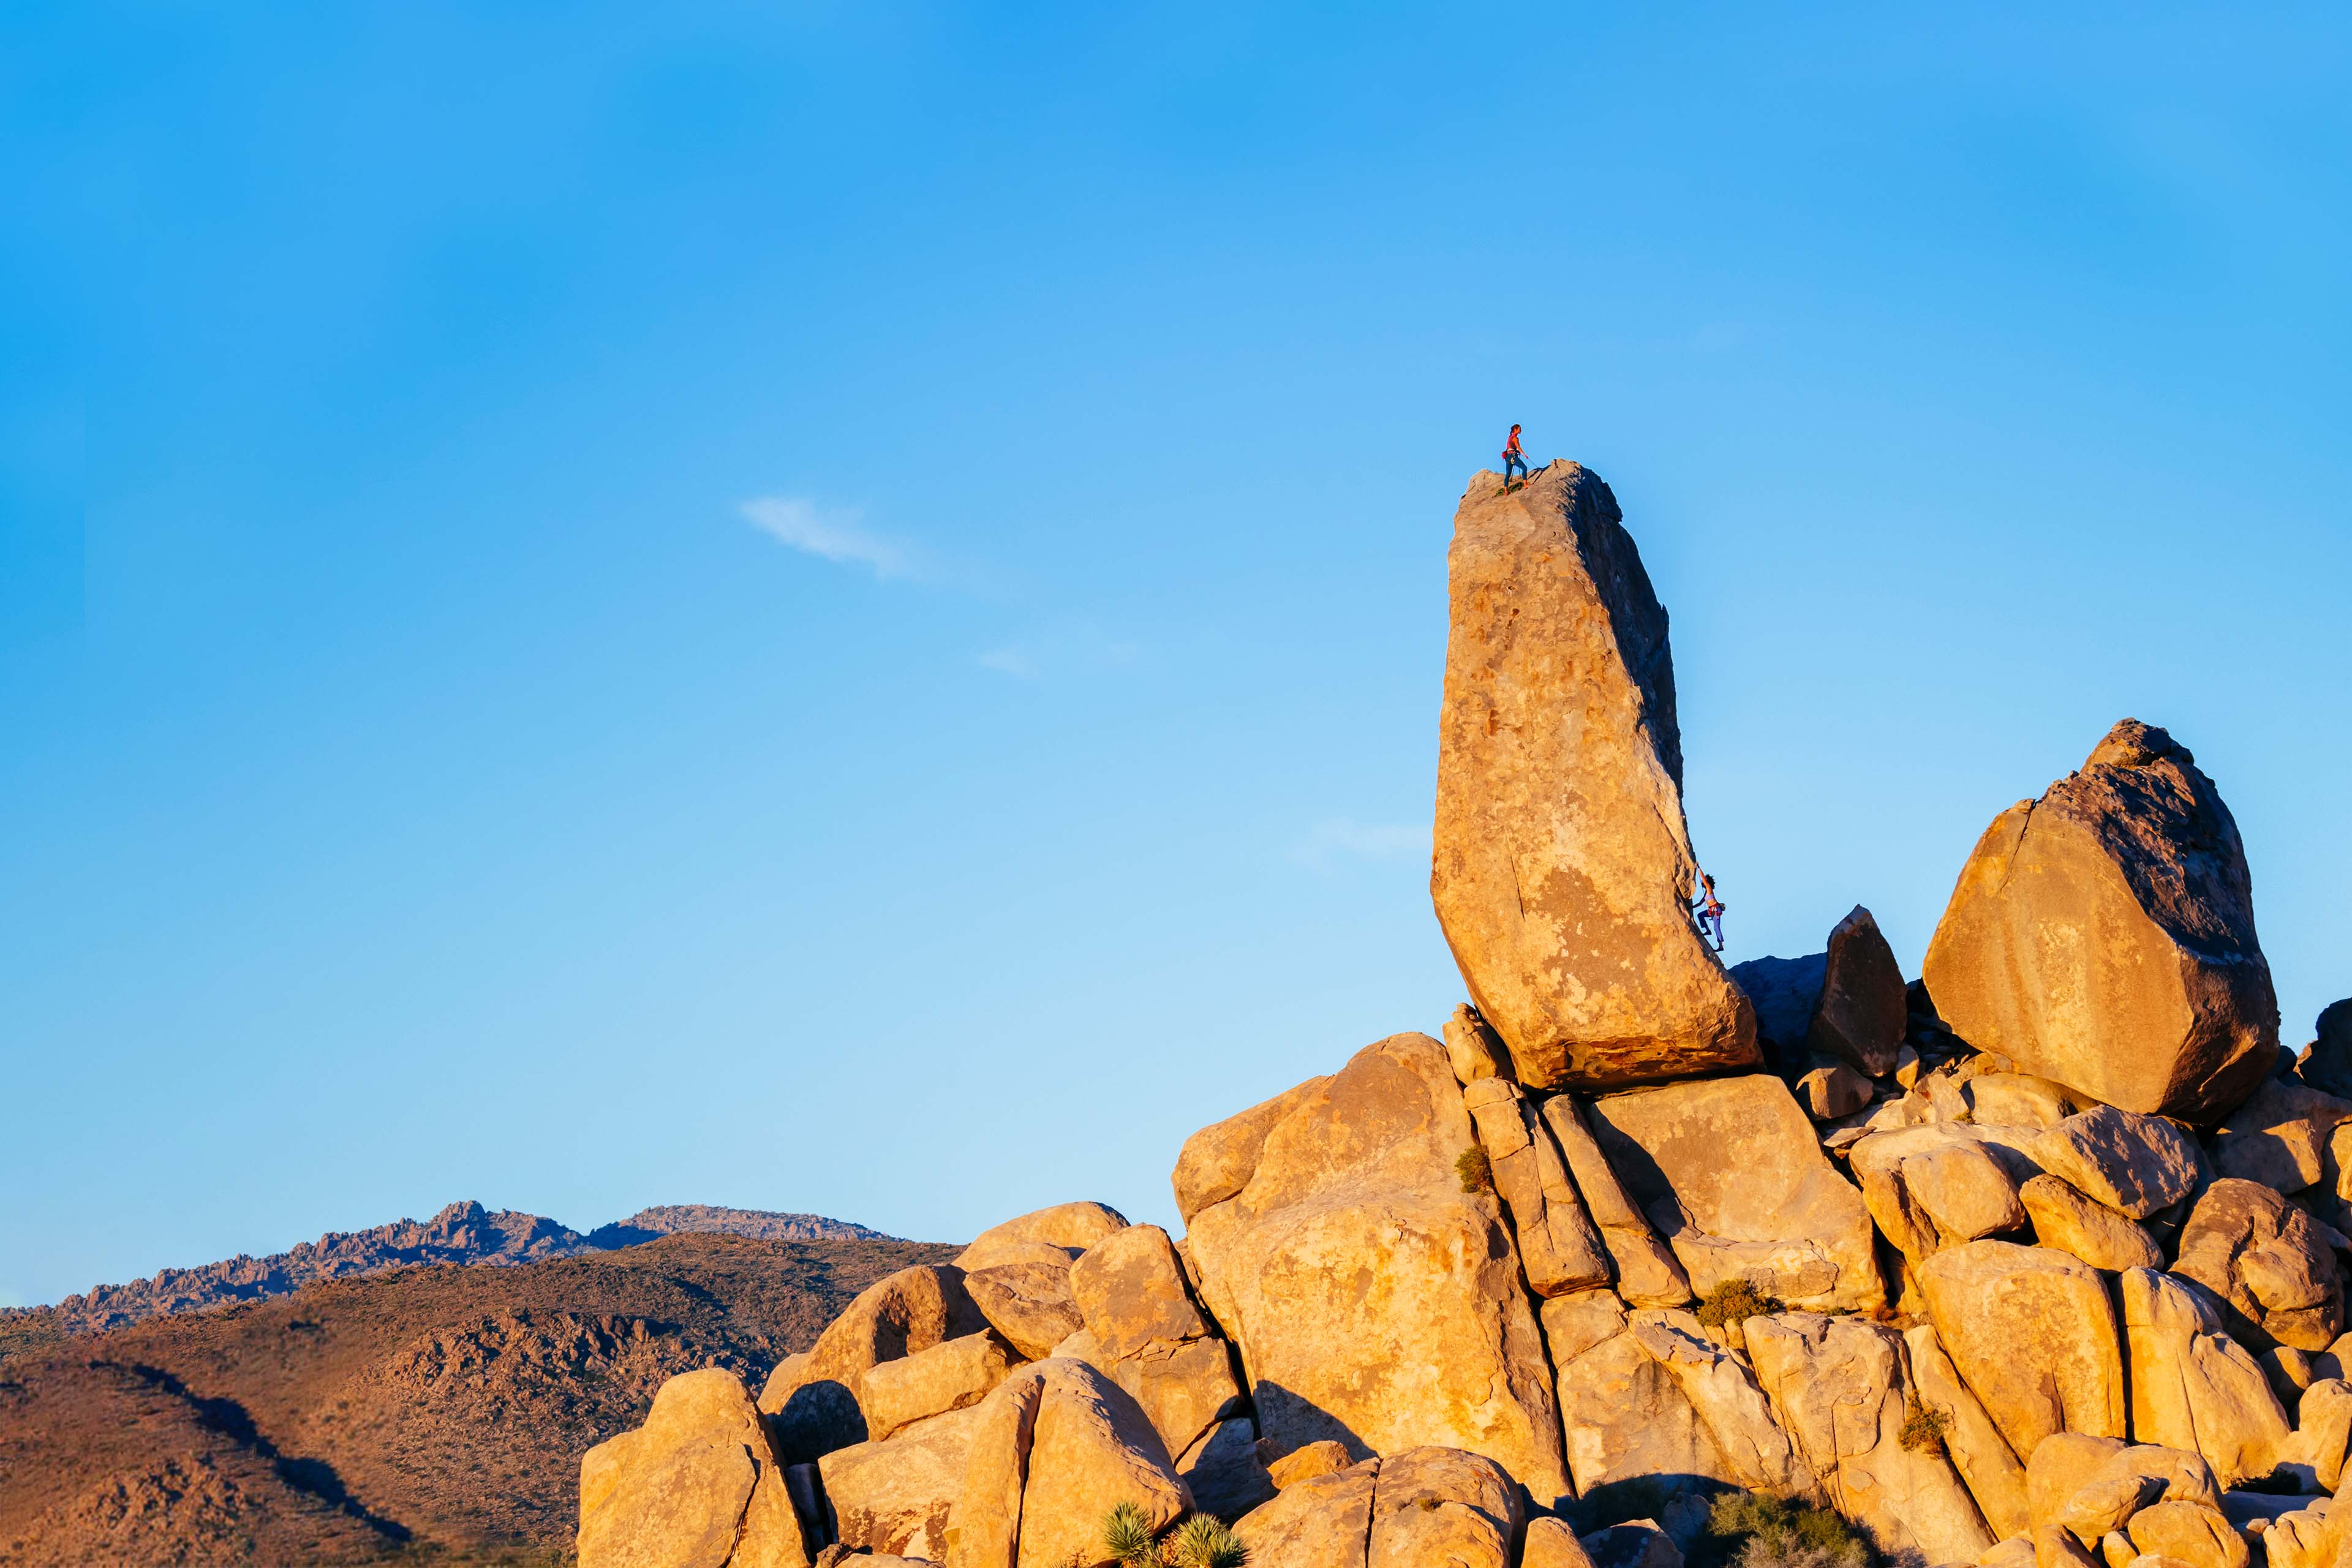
<point x="1563" y="867"/>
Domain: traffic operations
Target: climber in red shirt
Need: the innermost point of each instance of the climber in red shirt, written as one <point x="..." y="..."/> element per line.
<point x="1710" y="910"/>
<point x="1513" y="458"/>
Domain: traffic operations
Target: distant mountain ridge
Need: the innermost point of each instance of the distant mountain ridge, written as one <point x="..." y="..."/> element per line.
<point x="672" y="1219"/>
<point x="410" y="1417"/>
<point x="463" y="1233"/>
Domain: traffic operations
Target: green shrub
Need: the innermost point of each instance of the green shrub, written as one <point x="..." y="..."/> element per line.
<point x="1923" y="1429"/>
<point x="1126" y="1535"/>
<point x="1476" y="1171"/>
<point x="1735" y="1302"/>
<point x="1203" y="1542"/>
<point x="1772" y="1532"/>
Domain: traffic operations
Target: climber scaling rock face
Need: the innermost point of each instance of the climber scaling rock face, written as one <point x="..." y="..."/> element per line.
<point x="1562" y="868"/>
<point x="2102" y="937"/>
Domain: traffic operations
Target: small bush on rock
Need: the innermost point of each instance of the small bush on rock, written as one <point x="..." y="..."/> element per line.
<point x="1735" y="1302"/>
<point x="1203" y="1542"/>
<point x="1924" y="1428"/>
<point x="1126" y="1535"/>
<point x="1772" y="1532"/>
<point x="1476" y="1171"/>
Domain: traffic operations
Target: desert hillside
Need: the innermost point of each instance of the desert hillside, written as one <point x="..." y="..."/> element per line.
<point x="434" y="1414"/>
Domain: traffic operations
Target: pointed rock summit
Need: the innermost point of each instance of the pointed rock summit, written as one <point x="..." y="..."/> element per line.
<point x="2102" y="937"/>
<point x="1562" y="868"/>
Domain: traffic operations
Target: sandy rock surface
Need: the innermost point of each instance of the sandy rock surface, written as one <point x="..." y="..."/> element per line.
<point x="698" y="1486"/>
<point x="1729" y="1169"/>
<point x="1379" y="1304"/>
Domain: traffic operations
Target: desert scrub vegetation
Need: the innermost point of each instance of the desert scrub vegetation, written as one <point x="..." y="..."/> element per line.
<point x="1476" y="1171"/>
<point x="1201" y="1541"/>
<point x="1735" y="1302"/>
<point x="1127" y="1537"/>
<point x="1924" y="1428"/>
<point x="1762" y="1531"/>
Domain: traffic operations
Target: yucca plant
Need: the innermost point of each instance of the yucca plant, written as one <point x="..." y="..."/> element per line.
<point x="1203" y="1542"/>
<point x="1126" y="1535"/>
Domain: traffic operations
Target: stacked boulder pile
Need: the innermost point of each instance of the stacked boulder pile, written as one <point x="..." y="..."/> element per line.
<point x="2035" y="1260"/>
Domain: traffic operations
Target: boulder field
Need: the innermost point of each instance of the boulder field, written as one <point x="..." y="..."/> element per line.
<point x="2036" y="1264"/>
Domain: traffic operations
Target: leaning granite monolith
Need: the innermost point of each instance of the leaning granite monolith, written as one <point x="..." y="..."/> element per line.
<point x="2102" y="937"/>
<point x="1562" y="868"/>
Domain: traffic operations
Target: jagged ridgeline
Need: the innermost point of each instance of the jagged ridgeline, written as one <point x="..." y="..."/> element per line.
<point x="2034" y="1264"/>
<point x="463" y="1233"/>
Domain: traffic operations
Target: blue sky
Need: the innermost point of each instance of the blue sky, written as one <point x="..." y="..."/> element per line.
<point x="842" y="607"/>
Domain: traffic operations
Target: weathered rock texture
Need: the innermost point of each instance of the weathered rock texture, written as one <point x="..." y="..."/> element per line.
<point x="1029" y="1303"/>
<point x="1151" y="1337"/>
<point x="1054" y="1441"/>
<point x="1558" y="1248"/>
<point x="1217" y="1162"/>
<point x="812" y="1399"/>
<point x="1624" y="1412"/>
<point x="1225" y="1471"/>
<point x="949" y="1375"/>
<point x="2193" y="1386"/>
<point x="897" y="1497"/>
<point x="2282" y="1136"/>
<point x="1860" y="1017"/>
<point x="1421" y="1507"/>
<point x="1562" y="868"/>
<point x="1721" y="1388"/>
<point x="1646" y="1272"/>
<point x="1838" y="1387"/>
<point x="1729" y="1171"/>
<point x="1376" y="1303"/>
<point x="2266" y="1261"/>
<point x="2100" y="1237"/>
<point x="1994" y="1475"/>
<point x="2104" y="937"/>
<point x="1321" y="1521"/>
<point x="2032" y="1330"/>
<point x="2134" y="1164"/>
<point x="696" y="1487"/>
<point x="2328" y="1064"/>
<point x="1055" y="1236"/>
<point x="1477" y="1051"/>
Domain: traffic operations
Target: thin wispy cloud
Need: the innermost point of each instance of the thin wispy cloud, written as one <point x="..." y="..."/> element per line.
<point x="1076" y="649"/>
<point x="832" y="533"/>
<point x="1337" y="837"/>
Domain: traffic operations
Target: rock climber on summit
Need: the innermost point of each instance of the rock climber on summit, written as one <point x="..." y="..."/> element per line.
<point x="1513" y="457"/>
